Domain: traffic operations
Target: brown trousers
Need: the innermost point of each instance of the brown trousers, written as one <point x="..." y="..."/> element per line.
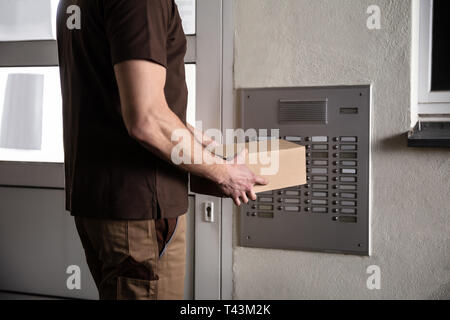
<point x="125" y="262"/>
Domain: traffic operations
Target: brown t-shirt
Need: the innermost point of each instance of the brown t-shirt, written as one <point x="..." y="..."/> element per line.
<point x="108" y="174"/>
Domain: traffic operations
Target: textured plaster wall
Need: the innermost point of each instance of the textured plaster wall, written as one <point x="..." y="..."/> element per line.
<point x="326" y="42"/>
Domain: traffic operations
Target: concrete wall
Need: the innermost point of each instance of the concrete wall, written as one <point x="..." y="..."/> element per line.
<point x="326" y="42"/>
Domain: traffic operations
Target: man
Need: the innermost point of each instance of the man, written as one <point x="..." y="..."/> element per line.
<point x="124" y="94"/>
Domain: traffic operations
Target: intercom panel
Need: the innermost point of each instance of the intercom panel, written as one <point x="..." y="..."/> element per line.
<point x="331" y="212"/>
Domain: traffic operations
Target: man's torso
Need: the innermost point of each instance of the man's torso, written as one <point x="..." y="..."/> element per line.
<point x="108" y="174"/>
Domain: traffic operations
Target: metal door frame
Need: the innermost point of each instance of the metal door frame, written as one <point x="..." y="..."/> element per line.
<point x="215" y="107"/>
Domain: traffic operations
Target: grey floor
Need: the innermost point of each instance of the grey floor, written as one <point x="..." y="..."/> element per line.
<point x="20" y="296"/>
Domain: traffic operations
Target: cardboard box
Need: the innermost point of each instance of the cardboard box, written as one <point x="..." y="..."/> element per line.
<point x="282" y="163"/>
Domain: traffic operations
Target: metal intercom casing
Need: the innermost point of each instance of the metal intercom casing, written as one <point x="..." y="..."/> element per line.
<point x="331" y="212"/>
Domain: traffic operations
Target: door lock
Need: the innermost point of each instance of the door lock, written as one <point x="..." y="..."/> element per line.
<point x="208" y="211"/>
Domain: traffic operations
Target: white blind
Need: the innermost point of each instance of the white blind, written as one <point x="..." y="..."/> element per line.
<point x="27" y="19"/>
<point x="187" y="13"/>
<point x="22" y="20"/>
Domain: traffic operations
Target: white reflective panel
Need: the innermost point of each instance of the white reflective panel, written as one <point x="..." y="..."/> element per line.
<point x="21" y="125"/>
<point x="31" y="115"/>
<point x="293" y="138"/>
<point x="319" y="139"/>
<point x="320" y="194"/>
<point x="347" y="187"/>
<point x="349" y="139"/>
<point x="291" y="201"/>
<point x="348" y="203"/>
<point x="319" y="170"/>
<point x="320" y="147"/>
<point x="348" y="195"/>
<point x="187" y="13"/>
<point x="190" y="81"/>
<point x="22" y="20"/>
<point x="348" y="211"/>
<point x="348" y="147"/>
<point x="348" y="171"/>
<point x="347" y="179"/>
<point x="292" y="209"/>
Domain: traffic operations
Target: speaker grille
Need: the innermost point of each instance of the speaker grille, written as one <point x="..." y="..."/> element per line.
<point x="312" y="112"/>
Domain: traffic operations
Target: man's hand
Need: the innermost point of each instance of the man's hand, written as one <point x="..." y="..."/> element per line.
<point x="239" y="180"/>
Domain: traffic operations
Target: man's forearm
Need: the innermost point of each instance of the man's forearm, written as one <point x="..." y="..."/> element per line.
<point x="203" y="139"/>
<point x="157" y="133"/>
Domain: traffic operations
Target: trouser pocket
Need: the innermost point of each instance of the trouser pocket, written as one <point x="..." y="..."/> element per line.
<point x="166" y="244"/>
<point x="136" y="289"/>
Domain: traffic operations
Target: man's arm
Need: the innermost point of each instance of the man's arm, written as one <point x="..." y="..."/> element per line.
<point x="203" y="139"/>
<point x="150" y="121"/>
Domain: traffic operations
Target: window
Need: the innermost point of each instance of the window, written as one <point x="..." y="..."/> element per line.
<point x="187" y="10"/>
<point x="440" y="55"/>
<point x="30" y="95"/>
<point x="30" y="99"/>
<point x="431" y="64"/>
<point x="190" y="81"/>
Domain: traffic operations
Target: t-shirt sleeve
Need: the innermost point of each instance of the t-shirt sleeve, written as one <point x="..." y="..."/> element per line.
<point x="137" y="29"/>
